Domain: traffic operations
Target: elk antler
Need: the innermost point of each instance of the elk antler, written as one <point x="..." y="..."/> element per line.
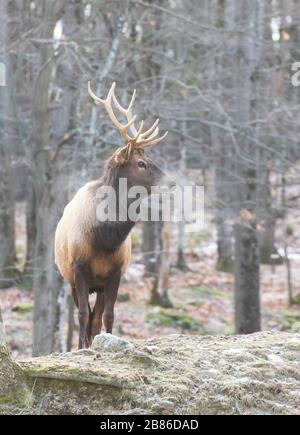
<point x="139" y="139"/>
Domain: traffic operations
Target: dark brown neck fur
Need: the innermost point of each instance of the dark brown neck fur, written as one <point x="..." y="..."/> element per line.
<point x="108" y="236"/>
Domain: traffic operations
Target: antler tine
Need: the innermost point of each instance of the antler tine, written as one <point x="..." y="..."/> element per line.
<point x="150" y="142"/>
<point x="139" y="132"/>
<point x="108" y="106"/>
<point x="149" y="131"/>
<point x="127" y="112"/>
<point x="132" y="100"/>
<point x="147" y="139"/>
<point x="121" y="108"/>
<point x="95" y="98"/>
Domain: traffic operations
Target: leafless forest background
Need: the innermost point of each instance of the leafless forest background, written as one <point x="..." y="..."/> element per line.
<point x="218" y="73"/>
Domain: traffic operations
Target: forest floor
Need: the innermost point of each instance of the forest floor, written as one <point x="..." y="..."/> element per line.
<point x="202" y="297"/>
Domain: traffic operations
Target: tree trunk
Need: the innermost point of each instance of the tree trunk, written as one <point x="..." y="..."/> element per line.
<point x="224" y="230"/>
<point x="7" y="127"/>
<point x="45" y="280"/>
<point x="267" y="216"/>
<point x="222" y="146"/>
<point x="71" y="322"/>
<point x="247" y="302"/>
<point x="2" y="331"/>
<point x="159" y="292"/>
<point x="60" y="317"/>
<point x="153" y="70"/>
<point x="7" y="223"/>
<point x="66" y="75"/>
<point x="246" y="267"/>
<point x="30" y="231"/>
<point x="151" y="247"/>
<point x="181" y="261"/>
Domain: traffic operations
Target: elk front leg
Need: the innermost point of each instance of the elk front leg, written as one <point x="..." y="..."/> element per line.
<point x="75" y="298"/>
<point x="110" y="297"/>
<point x="88" y="335"/>
<point x="97" y="314"/>
<point x="82" y="293"/>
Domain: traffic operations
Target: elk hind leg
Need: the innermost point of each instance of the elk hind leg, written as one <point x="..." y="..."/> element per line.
<point x="82" y="292"/>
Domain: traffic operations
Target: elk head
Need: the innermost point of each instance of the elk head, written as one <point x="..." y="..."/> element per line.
<point x="130" y="159"/>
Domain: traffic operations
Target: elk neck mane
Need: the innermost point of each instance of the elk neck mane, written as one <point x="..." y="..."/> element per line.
<point x="108" y="236"/>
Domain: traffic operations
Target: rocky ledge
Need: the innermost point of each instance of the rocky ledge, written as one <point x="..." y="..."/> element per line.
<point x="178" y="374"/>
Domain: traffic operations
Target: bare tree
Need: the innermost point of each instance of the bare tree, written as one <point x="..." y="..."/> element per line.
<point x="2" y="331"/>
<point x="247" y="273"/>
<point x="7" y="130"/>
<point x="45" y="290"/>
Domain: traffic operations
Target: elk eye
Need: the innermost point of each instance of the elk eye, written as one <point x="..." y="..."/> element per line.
<point x="142" y="164"/>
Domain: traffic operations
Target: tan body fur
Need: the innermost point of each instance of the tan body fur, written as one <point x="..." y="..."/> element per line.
<point x="72" y="241"/>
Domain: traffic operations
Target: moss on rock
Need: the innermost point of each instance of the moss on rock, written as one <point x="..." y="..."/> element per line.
<point x="23" y="308"/>
<point x="14" y="391"/>
<point x="175" y="318"/>
<point x="291" y="321"/>
<point x="178" y="374"/>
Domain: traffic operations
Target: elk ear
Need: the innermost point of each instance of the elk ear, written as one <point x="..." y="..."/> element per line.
<point x="123" y="154"/>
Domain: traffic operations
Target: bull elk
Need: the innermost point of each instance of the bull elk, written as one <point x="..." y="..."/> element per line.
<point x="93" y="255"/>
